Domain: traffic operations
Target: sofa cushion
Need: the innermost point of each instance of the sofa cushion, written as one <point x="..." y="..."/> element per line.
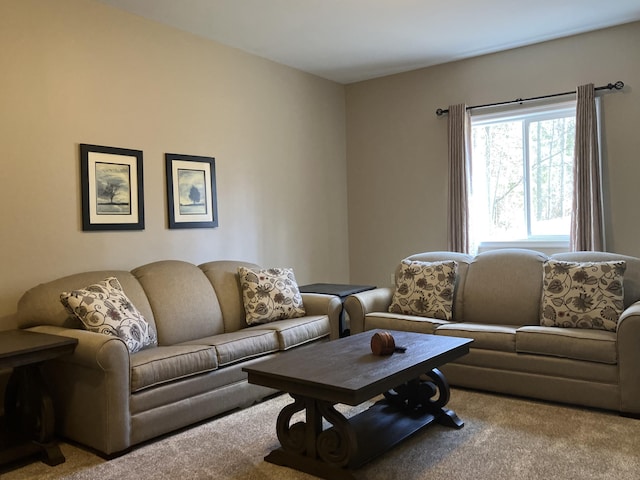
<point x="244" y="344"/>
<point x="582" y="295"/>
<point x="516" y="368"/>
<point x="503" y="287"/>
<point x="104" y="308"/>
<point x="425" y="289"/>
<point x="298" y="331"/>
<point x="41" y="304"/>
<point x="223" y="275"/>
<point x="158" y="365"/>
<point x="184" y="303"/>
<point x="396" y="321"/>
<point x="575" y="343"/>
<point x="488" y="337"/>
<point x="270" y="294"/>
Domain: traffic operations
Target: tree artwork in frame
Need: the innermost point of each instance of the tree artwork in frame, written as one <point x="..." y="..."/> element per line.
<point x="191" y="191"/>
<point x="112" y="188"/>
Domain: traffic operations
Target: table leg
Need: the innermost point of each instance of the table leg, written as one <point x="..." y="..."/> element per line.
<point x="29" y="415"/>
<point x="309" y="448"/>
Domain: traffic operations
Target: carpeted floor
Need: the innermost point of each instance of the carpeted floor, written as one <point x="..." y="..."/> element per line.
<point x="503" y="438"/>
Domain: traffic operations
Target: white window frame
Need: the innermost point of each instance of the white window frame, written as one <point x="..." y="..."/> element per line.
<point x="548" y="244"/>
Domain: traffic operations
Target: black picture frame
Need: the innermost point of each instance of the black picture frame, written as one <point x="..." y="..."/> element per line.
<point x="191" y="191"/>
<point x="112" y="188"/>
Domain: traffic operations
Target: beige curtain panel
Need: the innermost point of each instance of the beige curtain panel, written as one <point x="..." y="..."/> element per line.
<point x="587" y="230"/>
<point x="459" y="178"/>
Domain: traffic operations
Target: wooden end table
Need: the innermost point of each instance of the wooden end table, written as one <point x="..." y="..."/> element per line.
<point x="340" y="290"/>
<point x="345" y="371"/>
<point x="29" y="419"/>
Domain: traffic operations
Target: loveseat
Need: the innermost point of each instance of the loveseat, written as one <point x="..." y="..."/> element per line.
<point x="109" y="399"/>
<point x="497" y="300"/>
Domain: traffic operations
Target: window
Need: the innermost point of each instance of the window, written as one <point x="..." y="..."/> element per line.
<point x="522" y="176"/>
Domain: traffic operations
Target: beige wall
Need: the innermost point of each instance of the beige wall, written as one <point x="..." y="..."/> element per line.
<point x="77" y="71"/>
<point x="397" y="146"/>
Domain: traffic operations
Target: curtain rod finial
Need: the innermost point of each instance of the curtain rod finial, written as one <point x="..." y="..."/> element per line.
<point x="618" y="85"/>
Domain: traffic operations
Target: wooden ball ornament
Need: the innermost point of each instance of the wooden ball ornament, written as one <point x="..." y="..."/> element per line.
<point x="382" y="343"/>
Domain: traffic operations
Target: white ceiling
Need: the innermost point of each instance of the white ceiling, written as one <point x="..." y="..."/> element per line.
<point x="352" y="40"/>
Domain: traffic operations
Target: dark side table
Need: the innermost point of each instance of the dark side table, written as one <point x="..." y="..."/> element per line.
<point x="339" y="290"/>
<point x="29" y="419"/>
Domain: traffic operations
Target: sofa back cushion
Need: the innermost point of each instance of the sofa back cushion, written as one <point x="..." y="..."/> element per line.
<point x="184" y="304"/>
<point x="504" y="287"/>
<point x="631" y="282"/>
<point x="463" y="260"/>
<point x="41" y="304"/>
<point x="223" y="275"/>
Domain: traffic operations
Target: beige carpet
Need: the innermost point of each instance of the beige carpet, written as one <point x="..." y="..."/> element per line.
<point x="503" y="438"/>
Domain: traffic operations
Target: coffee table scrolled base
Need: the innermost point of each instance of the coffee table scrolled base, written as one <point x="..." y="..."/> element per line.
<point x="338" y="444"/>
<point x="350" y="443"/>
<point x="334" y="446"/>
<point x="292" y="437"/>
<point x="420" y="395"/>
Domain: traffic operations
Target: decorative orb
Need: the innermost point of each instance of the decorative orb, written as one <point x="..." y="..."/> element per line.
<point x="382" y="343"/>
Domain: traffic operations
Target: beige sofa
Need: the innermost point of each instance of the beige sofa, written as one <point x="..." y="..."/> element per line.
<point x="497" y="303"/>
<point x="108" y="399"/>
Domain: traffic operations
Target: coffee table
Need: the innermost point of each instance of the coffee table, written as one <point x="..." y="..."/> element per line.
<point x="345" y="371"/>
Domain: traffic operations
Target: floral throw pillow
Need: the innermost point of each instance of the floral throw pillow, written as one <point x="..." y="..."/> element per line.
<point x="104" y="308"/>
<point x="270" y="294"/>
<point x="425" y="289"/>
<point x="582" y="295"/>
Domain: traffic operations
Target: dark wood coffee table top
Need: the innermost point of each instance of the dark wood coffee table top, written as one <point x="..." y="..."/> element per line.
<point x="346" y="371"/>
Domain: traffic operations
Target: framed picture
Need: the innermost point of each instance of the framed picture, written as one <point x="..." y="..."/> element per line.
<point x="112" y="188"/>
<point x="191" y="191"/>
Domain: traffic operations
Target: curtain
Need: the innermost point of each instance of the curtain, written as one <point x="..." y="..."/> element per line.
<point x="587" y="229"/>
<point x="459" y="178"/>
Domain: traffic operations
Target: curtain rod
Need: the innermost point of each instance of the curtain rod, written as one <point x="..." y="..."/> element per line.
<point x="610" y="86"/>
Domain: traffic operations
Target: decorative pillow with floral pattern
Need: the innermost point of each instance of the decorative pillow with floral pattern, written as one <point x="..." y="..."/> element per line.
<point x="582" y="295"/>
<point x="270" y="294"/>
<point x="425" y="289"/>
<point x="104" y="308"/>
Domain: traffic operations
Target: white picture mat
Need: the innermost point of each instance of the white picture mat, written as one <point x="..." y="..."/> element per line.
<point x="101" y="218"/>
<point x="177" y="165"/>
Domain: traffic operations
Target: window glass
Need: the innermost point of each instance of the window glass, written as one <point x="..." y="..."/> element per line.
<point x="522" y="175"/>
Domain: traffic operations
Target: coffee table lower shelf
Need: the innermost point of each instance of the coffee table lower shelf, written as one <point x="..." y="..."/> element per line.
<point x="363" y="437"/>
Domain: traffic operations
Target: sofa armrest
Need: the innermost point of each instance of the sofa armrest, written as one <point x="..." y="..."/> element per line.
<point x="360" y="304"/>
<point x="91" y="389"/>
<point x="320" y="304"/>
<point x="628" y="339"/>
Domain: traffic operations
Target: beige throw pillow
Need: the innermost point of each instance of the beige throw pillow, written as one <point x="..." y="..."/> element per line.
<point x="425" y="289"/>
<point x="270" y="294"/>
<point x="582" y="295"/>
<point x="104" y="308"/>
